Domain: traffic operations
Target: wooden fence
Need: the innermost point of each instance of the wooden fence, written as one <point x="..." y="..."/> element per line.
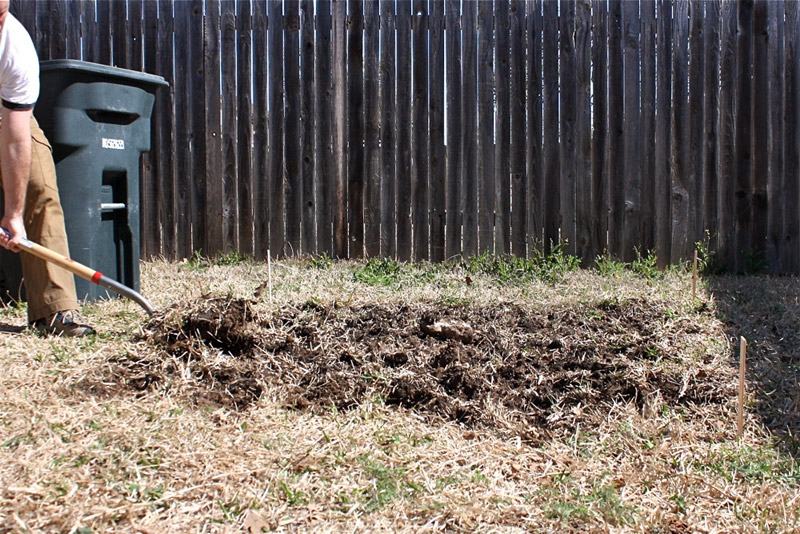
<point x="423" y="130"/>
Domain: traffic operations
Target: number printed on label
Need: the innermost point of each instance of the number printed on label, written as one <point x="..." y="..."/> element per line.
<point x="115" y="144"/>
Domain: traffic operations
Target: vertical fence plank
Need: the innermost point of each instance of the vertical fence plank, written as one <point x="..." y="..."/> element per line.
<point x="184" y="174"/>
<point x="150" y="233"/>
<point x="632" y="134"/>
<point x="709" y="208"/>
<point x="455" y="131"/>
<point x="420" y="133"/>
<point x="437" y="178"/>
<point x="743" y="183"/>
<point x="663" y="184"/>
<point x="89" y="29"/>
<point x="293" y="127"/>
<point x="260" y="132"/>
<point x="470" y="118"/>
<point x="211" y="131"/>
<point x="403" y="113"/>
<point x="308" y="121"/>
<point x="277" y="200"/>
<point x="245" y="124"/>
<point x="502" y="124"/>
<point x="583" y="133"/>
<point x="791" y="234"/>
<point x="323" y="111"/>
<point x="648" y="111"/>
<point x="550" y="109"/>
<point x="727" y="133"/>
<point x="680" y="132"/>
<point x="695" y="185"/>
<point x="388" y="56"/>
<point x="40" y="30"/>
<point x="599" y="213"/>
<point x="775" y="148"/>
<point x="519" y="193"/>
<point x="568" y="87"/>
<point x="339" y="69"/>
<point x="120" y="29"/>
<point x="230" y="134"/>
<point x="73" y="37"/>
<point x="760" y="131"/>
<point x="355" y="123"/>
<point x="485" y="131"/>
<point x="135" y="19"/>
<point x="103" y="33"/>
<point x="616" y="110"/>
<point x="165" y="116"/>
<point x="372" y="131"/>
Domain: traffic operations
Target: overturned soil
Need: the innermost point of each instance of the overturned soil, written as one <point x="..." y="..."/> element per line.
<point x="533" y="373"/>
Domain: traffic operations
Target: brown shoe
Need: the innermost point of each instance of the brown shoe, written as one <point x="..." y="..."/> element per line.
<point x="64" y="323"/>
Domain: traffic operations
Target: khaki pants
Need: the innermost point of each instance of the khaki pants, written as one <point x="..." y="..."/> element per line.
<point x="49" y="288"/>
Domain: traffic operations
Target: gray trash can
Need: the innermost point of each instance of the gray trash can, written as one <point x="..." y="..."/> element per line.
<point x="97" y="119"/>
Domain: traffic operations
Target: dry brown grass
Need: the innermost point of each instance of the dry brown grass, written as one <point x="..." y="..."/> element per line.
<point x="161" y="459"/>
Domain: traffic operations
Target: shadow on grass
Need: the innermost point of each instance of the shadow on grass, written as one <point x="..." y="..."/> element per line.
<point x="11" y="329"/>
<point x="766" y="311"/>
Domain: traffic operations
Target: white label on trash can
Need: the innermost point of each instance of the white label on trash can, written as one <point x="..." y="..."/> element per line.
<point x="115" y="144"/>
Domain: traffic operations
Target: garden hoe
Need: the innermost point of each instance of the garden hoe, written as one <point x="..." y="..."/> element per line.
<point x="96" y="277"/>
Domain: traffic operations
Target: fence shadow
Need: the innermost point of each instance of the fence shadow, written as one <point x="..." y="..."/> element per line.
<point x="766" y="311"/>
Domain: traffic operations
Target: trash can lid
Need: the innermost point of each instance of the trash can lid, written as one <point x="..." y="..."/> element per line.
<point x="102" y="71"/>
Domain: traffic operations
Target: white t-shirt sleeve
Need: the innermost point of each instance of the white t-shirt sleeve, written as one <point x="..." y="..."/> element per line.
<point x="19" y="70"/>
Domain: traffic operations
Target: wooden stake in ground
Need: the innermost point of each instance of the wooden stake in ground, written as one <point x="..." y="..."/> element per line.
<point x="742" y="372"/>
<point x="694" y="276"/>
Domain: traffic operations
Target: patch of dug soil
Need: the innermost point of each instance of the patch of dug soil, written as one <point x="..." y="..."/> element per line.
<point x="504" y="367"/>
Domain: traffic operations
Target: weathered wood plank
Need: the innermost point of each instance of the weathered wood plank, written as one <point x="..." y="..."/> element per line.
<point x="583" y="133"/>
<point x="648" y="117"/>
<point x="518" y="148"/>
<point x="502" y="122"/>
<point x="372" y="131"/>
<point x="485" y="131"/>
<point x="323" y="111"/>
<point x="261" y="162"/>
<point x="743" y="177"/>
<point x="760" y="156"/>
<point x="568" y="86"/>
<point x="615" y="141"/>
<point x="680" y="133"/>
<point x="455" y="130"/>
<point x="339" y="73"/>
<point x="663" y="134"/>
<point x="308" y="121"/>
<point x="726" y="135"/>
<point x="420" y="132"/>
<point x="388" y="57"/>
<point x="211" y="139"/>
<point x="470" y="118"/>
<point x="244" y="124"/>
<point x="710" y="208"/>
<point x="551" y="195"/>
<point x="696" y="183"/>
<point x="230" y="134"/>
<point x="791" y="234"/>
<point x="277" y="131"/>
<point x="632" y="131"/>
<point x="355" y="123"/>
<point x="293" y="144"/>
<point x="776" y="186"/>
<point x="437" y="177"/>
<point x="403" y="113"/>
<point x="599" y="188"/>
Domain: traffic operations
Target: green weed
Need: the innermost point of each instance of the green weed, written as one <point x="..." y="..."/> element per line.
<point x="388" y="484"/>
<point x="378" y="272"/>
<point x="754" y="465"/>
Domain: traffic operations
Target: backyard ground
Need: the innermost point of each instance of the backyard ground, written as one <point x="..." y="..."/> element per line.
<point x="483" y="396"/>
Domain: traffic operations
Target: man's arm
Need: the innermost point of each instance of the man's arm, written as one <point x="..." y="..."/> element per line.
<point x="15" y="159"/>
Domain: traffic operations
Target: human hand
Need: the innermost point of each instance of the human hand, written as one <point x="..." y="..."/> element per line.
<point x="14" y="232"/>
